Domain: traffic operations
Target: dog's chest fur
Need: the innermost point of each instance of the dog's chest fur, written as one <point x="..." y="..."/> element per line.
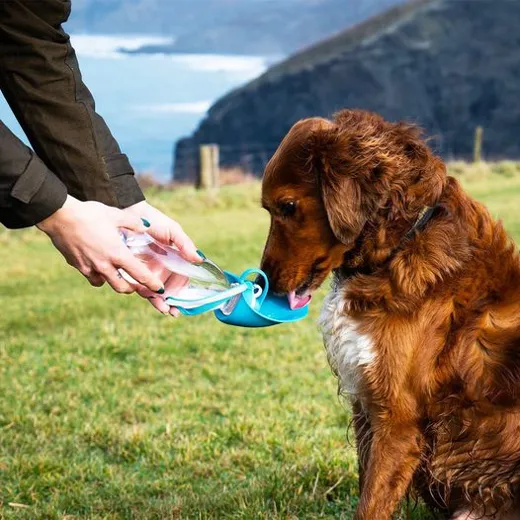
<point x="348" y="351"/>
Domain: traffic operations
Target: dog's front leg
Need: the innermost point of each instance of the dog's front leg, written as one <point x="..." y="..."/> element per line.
<point x="395" y="454"/>
<point x="361" y="422"/>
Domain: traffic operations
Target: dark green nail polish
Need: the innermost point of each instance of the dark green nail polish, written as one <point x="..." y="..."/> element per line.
<point x="201" y="254"/>
<point x="145" y="222"/>
<point x="161" y="291"/>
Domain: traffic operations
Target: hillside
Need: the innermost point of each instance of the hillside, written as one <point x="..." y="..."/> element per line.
<point x="264" y="27"/>
<point x="449" y="65"/>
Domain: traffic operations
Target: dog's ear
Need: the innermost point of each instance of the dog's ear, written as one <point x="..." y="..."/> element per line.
<point x="341" y="190"/>
<point x="364" y="163"/>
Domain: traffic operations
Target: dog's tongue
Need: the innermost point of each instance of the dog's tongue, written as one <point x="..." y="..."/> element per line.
<point x="297" y="302"/>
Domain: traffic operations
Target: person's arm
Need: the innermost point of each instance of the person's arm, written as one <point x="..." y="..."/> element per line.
<point x="41" y="80"/>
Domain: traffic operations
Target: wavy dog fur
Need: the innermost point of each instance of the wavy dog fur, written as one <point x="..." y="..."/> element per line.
<point x="422" y="328"/>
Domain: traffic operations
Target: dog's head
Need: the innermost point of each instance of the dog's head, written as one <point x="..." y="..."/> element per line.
<point x="331" y="181"/>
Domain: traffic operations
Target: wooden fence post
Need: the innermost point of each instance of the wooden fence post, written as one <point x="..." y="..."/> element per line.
<point x="477" y="145"/>
<point x="215" y="150"/>
<point x="209" y="178"/>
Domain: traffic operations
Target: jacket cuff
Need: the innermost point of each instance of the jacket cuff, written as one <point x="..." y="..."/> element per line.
<point x="123" y="181"/>
<point x="36" y="195"/>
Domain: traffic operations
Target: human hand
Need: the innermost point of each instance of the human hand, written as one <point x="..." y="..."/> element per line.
<point x="169" y="232"/>
<point x="87" y="235"/>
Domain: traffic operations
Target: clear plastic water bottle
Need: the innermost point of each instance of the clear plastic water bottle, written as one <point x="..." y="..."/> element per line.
<point x="196" y="281"/>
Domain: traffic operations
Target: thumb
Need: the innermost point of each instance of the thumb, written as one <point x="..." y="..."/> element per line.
<point x="131" y="222"/>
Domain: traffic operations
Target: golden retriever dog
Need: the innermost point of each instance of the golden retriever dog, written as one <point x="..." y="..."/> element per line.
<point x="422" y="324"/>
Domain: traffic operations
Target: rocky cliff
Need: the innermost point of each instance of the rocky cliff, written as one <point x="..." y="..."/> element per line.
<point x="449" y="65"/>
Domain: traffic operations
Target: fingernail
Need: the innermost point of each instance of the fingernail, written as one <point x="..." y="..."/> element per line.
<point x="160" y="291"/>
<point x="145" y="222"/>
<point x="201" y="254"/>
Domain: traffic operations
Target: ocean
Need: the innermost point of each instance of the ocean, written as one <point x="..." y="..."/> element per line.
<point x="150" y="101"/>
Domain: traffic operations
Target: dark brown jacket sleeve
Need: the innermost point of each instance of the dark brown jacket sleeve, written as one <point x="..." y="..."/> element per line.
<point x="29" y="191"/>
<point x="41" y="80"/>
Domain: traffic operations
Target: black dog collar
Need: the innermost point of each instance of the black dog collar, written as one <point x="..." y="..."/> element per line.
<point x="424" y="217"/>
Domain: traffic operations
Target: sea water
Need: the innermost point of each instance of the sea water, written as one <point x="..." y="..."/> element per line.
<point x="150" y="101"/>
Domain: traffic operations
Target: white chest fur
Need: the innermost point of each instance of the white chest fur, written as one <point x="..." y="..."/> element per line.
<point x="348" y="351"/>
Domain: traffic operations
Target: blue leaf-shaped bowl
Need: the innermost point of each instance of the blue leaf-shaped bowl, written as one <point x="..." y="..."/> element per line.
<point x="250" y="309"/>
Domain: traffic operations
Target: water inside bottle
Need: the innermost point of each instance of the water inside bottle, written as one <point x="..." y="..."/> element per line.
<point x="200" y="280"/>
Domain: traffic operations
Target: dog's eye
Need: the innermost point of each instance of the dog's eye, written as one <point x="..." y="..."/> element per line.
<point x="288" y="209"/>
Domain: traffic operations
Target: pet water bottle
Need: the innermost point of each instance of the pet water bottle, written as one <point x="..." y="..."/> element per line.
<point x="199" y="288"/>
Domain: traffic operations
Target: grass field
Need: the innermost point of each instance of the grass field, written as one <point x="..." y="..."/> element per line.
<point x="109" y="410"/>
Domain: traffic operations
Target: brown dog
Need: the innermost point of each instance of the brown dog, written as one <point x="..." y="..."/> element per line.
<point x="422" y="327"/>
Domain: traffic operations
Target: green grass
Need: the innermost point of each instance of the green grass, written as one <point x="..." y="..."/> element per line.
<point x="112" y="411"/>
